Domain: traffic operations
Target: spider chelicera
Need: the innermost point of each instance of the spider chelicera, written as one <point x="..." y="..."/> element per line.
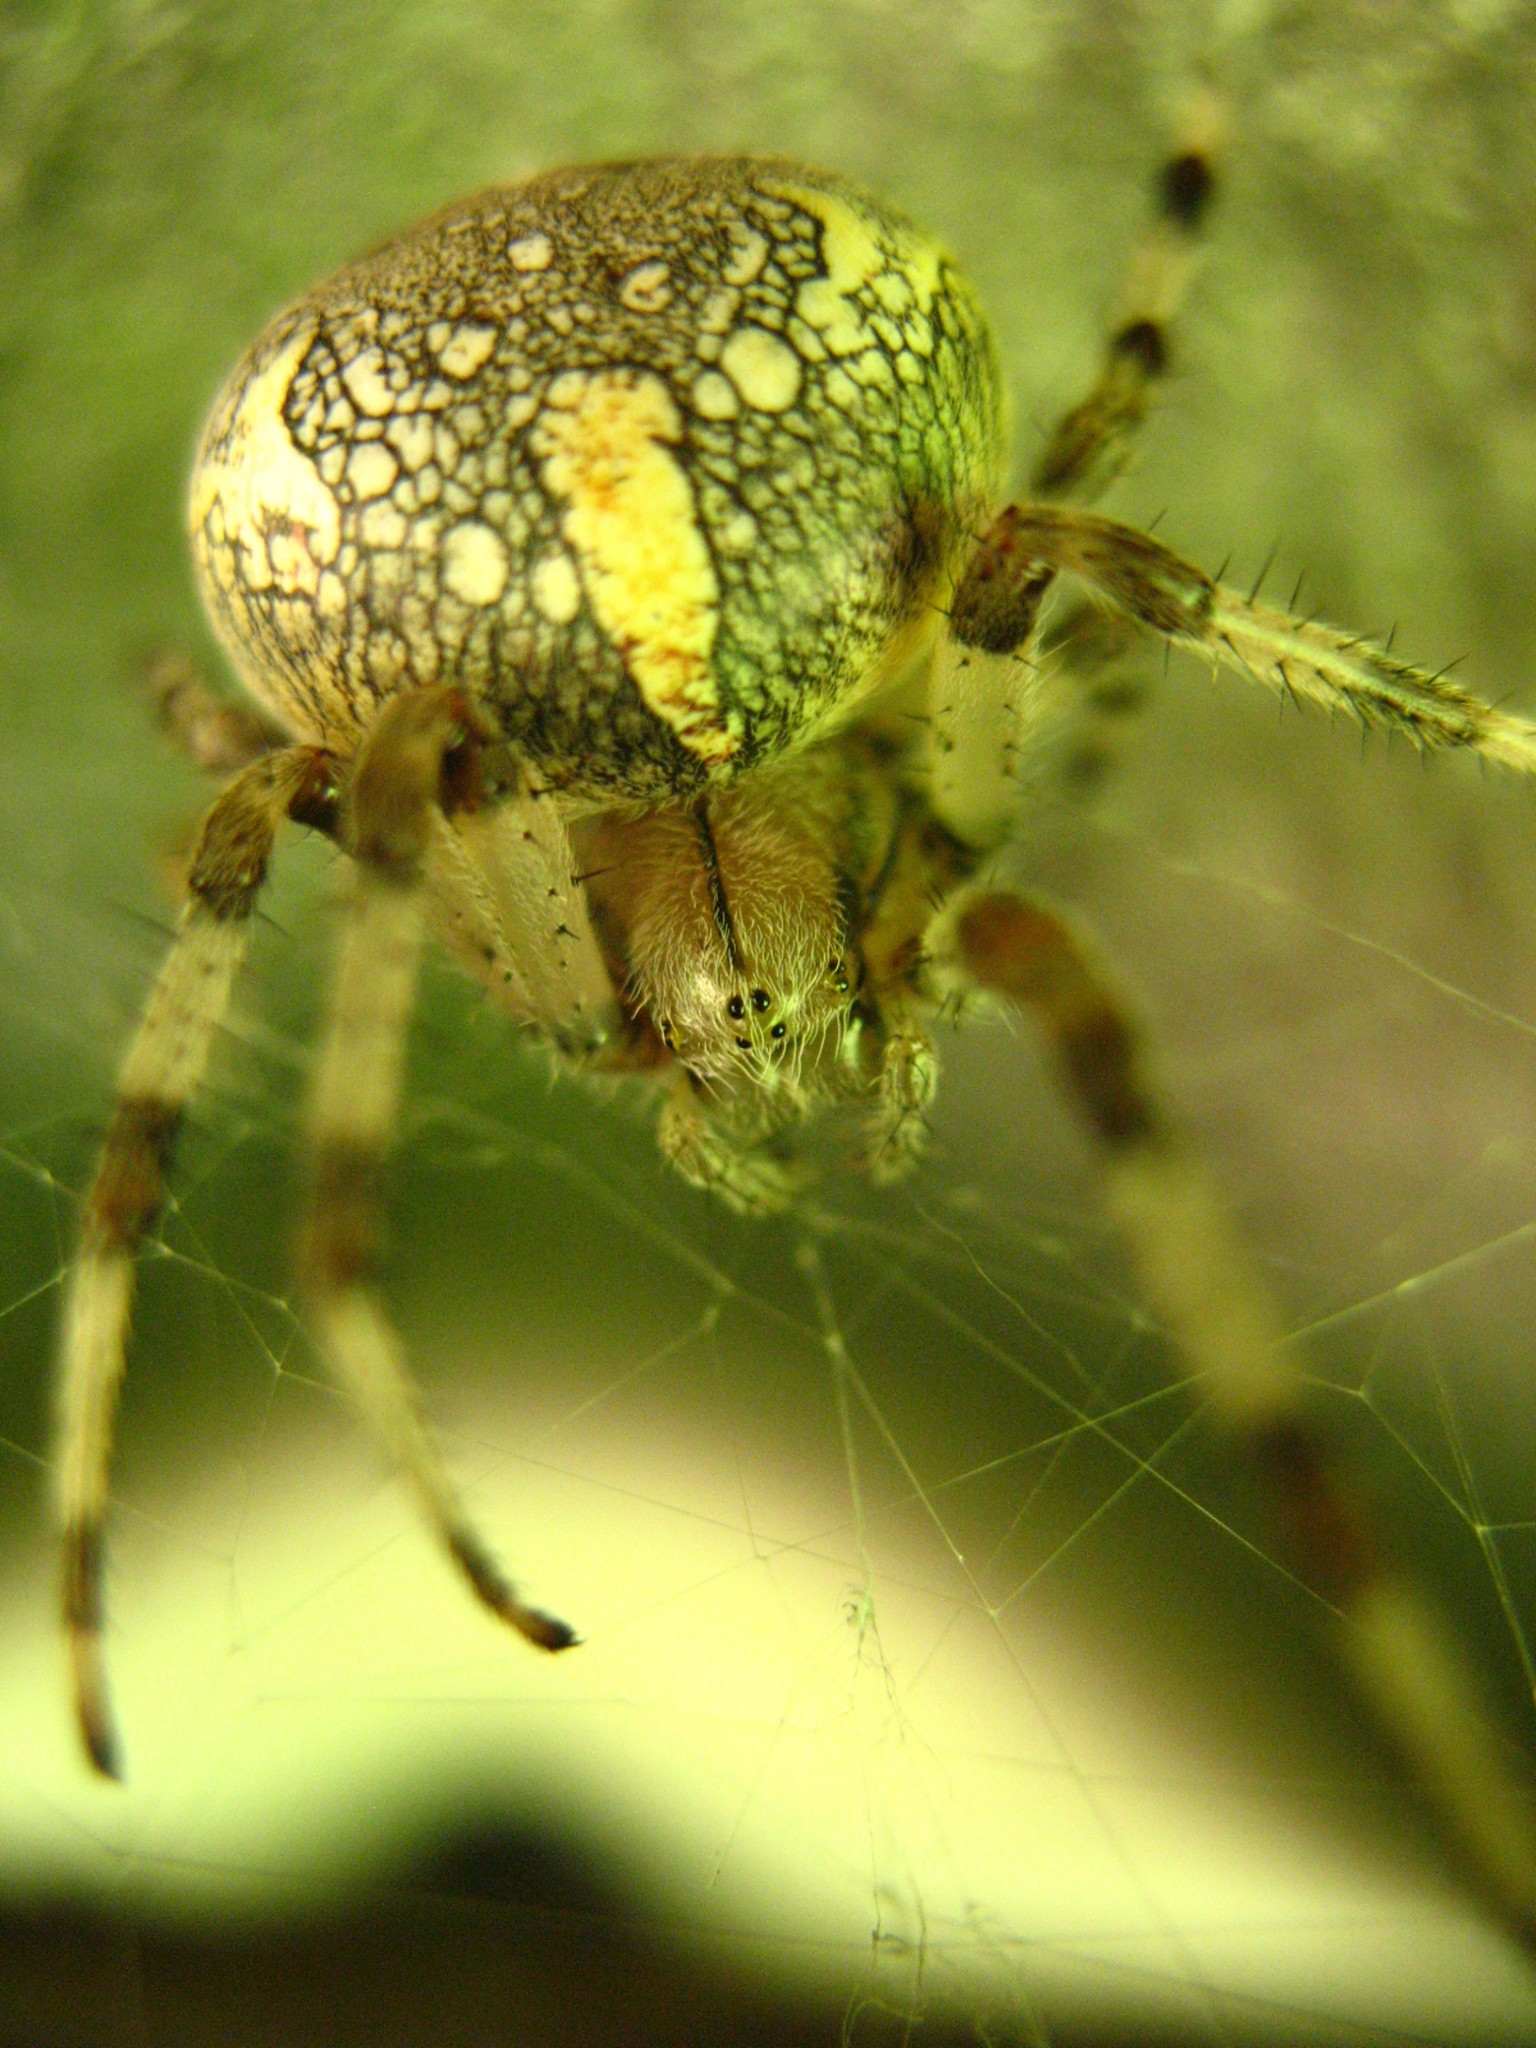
<point x="620" y="564"/>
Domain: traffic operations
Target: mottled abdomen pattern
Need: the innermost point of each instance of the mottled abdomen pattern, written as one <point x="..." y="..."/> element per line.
<point x="666" y="462"/>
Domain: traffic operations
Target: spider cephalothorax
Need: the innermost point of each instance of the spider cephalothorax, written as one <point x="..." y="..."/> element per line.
<point x="728" y="918"/>
<point x="620" y="564"/>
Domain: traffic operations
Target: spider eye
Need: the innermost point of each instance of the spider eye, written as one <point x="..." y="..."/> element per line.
<point x="759" y="1000"/>
<point x="745" y="1044"/>
<point x="737" y="1009"/>
<point x="777" y="1031"/>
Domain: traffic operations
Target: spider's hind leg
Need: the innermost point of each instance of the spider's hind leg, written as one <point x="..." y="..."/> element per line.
<point x="1218" y="1310"/>
<point x="416" y="746"/>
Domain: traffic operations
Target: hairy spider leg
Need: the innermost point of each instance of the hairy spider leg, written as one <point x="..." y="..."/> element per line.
<point x="161" y="1074"/>
<point x="419" y="742"/>
<point x="1303" y="659"/>
<point x="1217" y="1308"/>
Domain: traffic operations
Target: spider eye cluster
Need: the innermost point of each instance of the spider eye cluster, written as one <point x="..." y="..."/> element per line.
<point x="761" y="1004"/>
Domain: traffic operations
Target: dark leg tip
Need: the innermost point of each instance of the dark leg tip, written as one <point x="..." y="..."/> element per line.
<point x="496" y="1590"/>
<point x="547" y="1631"/>
<point x="92" y="1714"/>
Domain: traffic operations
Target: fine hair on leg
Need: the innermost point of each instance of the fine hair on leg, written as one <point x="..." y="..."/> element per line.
<point x="1302" y="659"/>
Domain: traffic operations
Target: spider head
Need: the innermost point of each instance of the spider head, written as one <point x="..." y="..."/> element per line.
<point x="734" y="932"/>
<point x="763" y="1028"/>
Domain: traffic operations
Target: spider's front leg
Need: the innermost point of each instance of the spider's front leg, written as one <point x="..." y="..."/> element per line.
<point x="420" y="755"/>
<point x="905" y="1080"/>
<point x="997" y="602"/>
<point x="1218" y="1309"/>
<point x="895" y="1066"/>
<point x="715" y="1151"/>
<point x="159" y="1078"/>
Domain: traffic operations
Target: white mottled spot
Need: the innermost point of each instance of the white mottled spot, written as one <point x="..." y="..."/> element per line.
<point x="714" y="397"/>
<point x="764" y="369"/>
<point x="805" y="341"/>
<point x="557" y="587"/>
<point x="749" y="252"/>
<point x="647" y="288"/>
<point x="411" y="440"/>
<point x="873" y="369"/>
<point x="388" y="659"/>
<point x="893" y="291"/>
<point x="367" y="385"/>
<point x="842" y="390"/>
<point x="718" y="313"/>
<point x="474" y="563"/>
<point x="838" y="320"/>
<point x="738" y="536"/>
<point x="533" y="252"/>
<point x="466" y="348"/>
<point x="383" y="527"/>
<point x="371" y="469"/>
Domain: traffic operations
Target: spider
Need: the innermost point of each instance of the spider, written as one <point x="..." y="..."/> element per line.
<point x="621" y="564"/>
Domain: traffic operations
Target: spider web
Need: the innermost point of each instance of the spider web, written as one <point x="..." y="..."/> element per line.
<point x="939" y="1672"/>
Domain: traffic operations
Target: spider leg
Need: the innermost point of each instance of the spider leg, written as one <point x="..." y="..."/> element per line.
<point x="738" y="1165"/>
<point x="992" y="690"/>
<point x="1218" y="1309"/>
<point x="1089" y="445"/>
<point x="896" y="1125"/>
<point x="161" y="1074"/>
<point x="219" y="735"/>
<point x="395" y="808"/>
<point x="996" y="604"/>
<point x="503" y="901"/>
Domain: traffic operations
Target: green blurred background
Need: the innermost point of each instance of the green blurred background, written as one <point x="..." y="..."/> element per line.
<point x="938" y="1673"/>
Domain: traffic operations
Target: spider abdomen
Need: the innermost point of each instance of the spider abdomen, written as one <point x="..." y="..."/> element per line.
<point x="664" y="461"/>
